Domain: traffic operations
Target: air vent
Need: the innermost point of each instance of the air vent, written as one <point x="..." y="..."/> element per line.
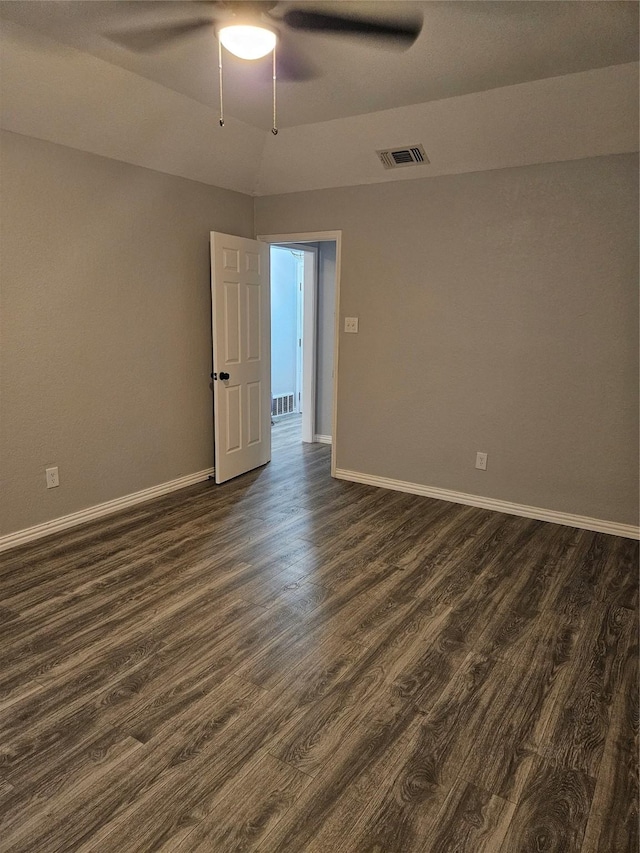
<point x="283" y="404"/>
<point x="394" y="158"/>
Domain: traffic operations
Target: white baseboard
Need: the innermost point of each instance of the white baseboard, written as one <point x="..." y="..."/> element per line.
<point x="29" y="534"/>
<point x="322" y="439"/>
<point x="566" y="518"/>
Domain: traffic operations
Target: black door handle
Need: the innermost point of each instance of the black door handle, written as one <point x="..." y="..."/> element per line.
<point x="224" y="376"/>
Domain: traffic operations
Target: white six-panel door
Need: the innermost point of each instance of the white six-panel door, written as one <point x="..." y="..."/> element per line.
<point x="241" y="330"/>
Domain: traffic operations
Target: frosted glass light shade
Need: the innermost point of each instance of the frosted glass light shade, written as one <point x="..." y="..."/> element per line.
<point x="247" y="42"/>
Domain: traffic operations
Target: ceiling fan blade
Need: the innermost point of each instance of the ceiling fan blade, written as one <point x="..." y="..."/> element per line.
<point x="156" y="37"/>
<point x="405" y="32"/>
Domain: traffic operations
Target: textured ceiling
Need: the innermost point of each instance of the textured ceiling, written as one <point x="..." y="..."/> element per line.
<point x="486" y="85"/>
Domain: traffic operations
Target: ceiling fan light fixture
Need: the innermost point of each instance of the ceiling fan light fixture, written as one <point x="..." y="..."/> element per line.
<point x="247" y="42"/>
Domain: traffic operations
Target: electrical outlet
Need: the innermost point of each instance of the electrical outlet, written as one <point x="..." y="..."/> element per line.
<point x="481" y="461"/>
<point x="351" y="324"/>
<point x="52" y="478"/>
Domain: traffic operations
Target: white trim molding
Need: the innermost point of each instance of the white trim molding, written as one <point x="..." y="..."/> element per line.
<point x="323" y="439"/>
<point x="568" y="519"/>
<point x="29" y="534"/>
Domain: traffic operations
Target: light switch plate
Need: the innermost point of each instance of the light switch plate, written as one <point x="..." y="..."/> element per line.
<point x="351" y="324"/>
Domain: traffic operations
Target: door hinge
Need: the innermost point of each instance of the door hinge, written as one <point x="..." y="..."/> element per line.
<point x="299" y="342"/>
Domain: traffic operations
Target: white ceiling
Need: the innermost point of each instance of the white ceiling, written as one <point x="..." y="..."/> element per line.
<point x="486" y="85"/>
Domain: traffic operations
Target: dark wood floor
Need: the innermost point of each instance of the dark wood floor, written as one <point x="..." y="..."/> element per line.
<point x="293" y="663"/>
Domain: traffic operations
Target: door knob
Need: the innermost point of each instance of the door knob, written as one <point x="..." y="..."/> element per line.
<point x="224" y="376"/>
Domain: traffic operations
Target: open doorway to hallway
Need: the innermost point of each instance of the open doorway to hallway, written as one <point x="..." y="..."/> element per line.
<point x="303" y="300"/>
<point x="287" y="333"/>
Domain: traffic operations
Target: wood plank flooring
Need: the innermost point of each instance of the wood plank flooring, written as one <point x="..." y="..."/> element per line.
<point x="291" y="663"/>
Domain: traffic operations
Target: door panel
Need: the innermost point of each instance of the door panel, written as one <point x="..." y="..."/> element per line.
<point x="234" y="419"/>
<point x="232" y="322"/>
<point x="254" y="414"/>
<point x="254" y="322"/>
<point x="242" y="349"/>
<point x="252" y="262"/>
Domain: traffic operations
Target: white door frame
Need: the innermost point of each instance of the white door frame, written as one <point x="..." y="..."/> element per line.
<point x="320" y="237"/>
<point x="299" y="330"/>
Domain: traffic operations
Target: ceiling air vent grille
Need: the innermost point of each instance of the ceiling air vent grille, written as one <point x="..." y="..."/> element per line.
<point x="412" y="155"/>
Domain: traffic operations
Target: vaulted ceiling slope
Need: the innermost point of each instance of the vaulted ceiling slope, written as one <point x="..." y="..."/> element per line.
<point x="486" y="85"/>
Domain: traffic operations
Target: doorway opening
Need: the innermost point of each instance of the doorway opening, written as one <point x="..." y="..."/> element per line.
<point x="324" y="375"/>
<point x="241" y="339"/>
<point x="303" y="304"/>
<point x="287" y="312"/>
<point x="294" y="277"/>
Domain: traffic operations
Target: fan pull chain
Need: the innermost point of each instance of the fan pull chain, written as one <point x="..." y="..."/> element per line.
<point x="220" y="76"/>
<point x="274" y="129"/>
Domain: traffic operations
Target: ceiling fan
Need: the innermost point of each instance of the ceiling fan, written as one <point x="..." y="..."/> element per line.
<point x="270" y="19"/>
<point x="274" y="17"/>
<point x="251" y="29"/>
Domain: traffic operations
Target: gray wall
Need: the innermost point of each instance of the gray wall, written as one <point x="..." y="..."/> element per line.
<point x="105" y="339"/>
<point x="498" y="312"/>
